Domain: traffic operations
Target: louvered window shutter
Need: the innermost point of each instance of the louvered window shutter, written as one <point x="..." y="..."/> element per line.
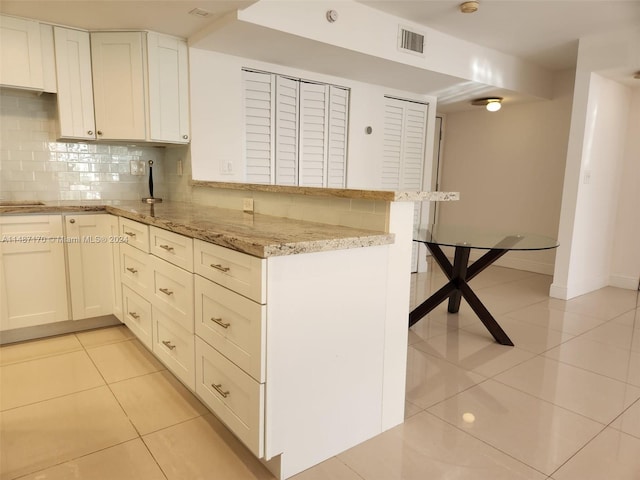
<point x="314" y="120"/>
<point x="286" y="131"/>
<point x="259" y="119"/>
<point x="338" y="122"/>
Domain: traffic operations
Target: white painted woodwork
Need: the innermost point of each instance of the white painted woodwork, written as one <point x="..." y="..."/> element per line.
<point x="286" y="130"/>
<point x="259" y="121"/>
<point x="21" y="53"/>
<point x="90" y="263"/>
<point x="236" y="398"/>
<point x="136" y="270"/>
<point x="49" y="83"/>
<point x="326" y="339"/>
<point x="232" y="324"/>
<point x="137" y="316"/>
<point x="118" y="62"/>
<point x="136" y="233"/>
<point x="168" y="68"/>
<point x="172" y="247"/>
<point x="172" y="292"/>
<point x="234" y="270"/>
<point x="33" y="284"/>
<point x="116" y="286"/>
<point x="174" y="346"/>
<point x="75" y="85"/>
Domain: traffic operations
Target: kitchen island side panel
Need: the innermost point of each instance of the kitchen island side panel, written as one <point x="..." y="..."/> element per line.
<point x="326" y="315"/>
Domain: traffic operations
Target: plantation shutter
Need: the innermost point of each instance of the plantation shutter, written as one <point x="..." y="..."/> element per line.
<point x="405" y="128"/>
<point x="338" y="122"/>
<point x="286" y="138"/>
<point x="259" y="120"/>
<point x="314" y="120"/>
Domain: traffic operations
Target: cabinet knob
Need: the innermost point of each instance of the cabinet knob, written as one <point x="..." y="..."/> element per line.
<point x="90" y="132"/>
<point x="99" y="132"/>
<point x="72" y="221"/>
<point x="186" y="137"/>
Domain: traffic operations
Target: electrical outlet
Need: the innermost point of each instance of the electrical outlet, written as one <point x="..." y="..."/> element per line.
<point x="137" y="167"/>
<point x="247" y="205"/>
<point x="226" y="166"/>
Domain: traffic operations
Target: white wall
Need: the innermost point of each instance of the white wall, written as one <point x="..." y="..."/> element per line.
<point x="625" y="261"/>
<point x="508" y="167"/>
<point x="217" y="124"/>
<point x="596" y="154"/>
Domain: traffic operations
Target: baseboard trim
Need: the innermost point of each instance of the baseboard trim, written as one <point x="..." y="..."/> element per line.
<point x="57" y="328"/>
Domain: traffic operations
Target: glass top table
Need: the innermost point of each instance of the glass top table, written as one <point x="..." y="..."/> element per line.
<point x="460" y="272"/>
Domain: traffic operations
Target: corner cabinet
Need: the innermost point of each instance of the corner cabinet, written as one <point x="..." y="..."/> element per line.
<point x="122" y="86"/>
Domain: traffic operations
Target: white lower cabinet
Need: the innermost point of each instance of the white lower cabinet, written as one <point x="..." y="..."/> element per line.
<point x="90" y="257"/>
<point x="174" y="346"/>
<point x="137" y="315"/>
<point x="235" y="397"/>
<point x="33" y="283"/>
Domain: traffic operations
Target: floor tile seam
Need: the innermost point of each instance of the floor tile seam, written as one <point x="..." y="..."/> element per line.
<point x="455" y="394"/>
<point x="560" y="406"/>
<point x="586" y="369"/>
<point x="183" y="421"/>
<point x="551" y="307"/>
<point x="111" y="342"/>
<point x="155" y="460"/>
<point x="610" y="424"/>
<point x="493" y="447"/>
<point x="52" y="398"/>
<point x="57" y="354"/>
<point x="579" y="450"/>
<point x="74" y="459"/>
<point x="485" y="377"/>
<point x="163" y="369"/>
<point x="615" y="347"/>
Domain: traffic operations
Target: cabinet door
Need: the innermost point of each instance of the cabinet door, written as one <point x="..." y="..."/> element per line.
<point x="75" y="87"/>
<point x="90" y="260"/>
<point x="118" y="61"/>
<point x="168" y="88"/>
<point x="21" y="53"/>
<point x="116" y="289"/>
<point x="33" y="283"/>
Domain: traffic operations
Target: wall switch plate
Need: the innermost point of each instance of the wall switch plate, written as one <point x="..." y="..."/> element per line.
<point x="137" y="167"/>
<point x="247" y="205"/>
<point x="226" y="166"/>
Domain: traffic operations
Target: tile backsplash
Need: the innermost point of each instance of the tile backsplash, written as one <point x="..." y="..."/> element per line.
<point x="35" y="166"/>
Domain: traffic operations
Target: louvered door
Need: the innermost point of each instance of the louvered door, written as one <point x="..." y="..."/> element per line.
<point x="405" y="126"/>
<point x="259" y="119"/>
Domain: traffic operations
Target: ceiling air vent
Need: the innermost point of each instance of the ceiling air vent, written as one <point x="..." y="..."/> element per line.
<point x="410" y="41"/>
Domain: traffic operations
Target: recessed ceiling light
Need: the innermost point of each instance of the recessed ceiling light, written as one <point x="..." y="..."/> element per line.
<point x="199" y="12"/>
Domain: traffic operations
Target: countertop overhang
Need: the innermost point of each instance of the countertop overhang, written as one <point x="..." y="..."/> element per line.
<point x="255" y="234"/>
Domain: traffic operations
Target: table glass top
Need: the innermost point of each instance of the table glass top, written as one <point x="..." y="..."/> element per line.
<point x="449" y="235"/>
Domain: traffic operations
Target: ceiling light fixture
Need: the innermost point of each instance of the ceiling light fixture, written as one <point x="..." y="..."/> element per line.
<point x="493" y="104"/>
<point x="469" y="7"/>
<point x="199" y="12"/>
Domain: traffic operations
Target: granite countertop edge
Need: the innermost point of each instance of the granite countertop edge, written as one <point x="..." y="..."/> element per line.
<point x="237" y="231"/>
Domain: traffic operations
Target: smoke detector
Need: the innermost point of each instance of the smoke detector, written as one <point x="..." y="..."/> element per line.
<point x="469" y="7"/>
<point x="199" y="12"/>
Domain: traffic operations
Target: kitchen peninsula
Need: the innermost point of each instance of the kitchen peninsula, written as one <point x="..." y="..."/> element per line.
<point x="295" y="332"/>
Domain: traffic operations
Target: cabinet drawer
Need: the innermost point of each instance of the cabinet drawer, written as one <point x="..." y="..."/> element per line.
<point x="233" y="324"/>
<point x="235" y="397"/>
<point x="172" y="292"/>
<point x="175" y="347"/>
<point x="237" y="271"/>
<point x="172" y="247"/>
<point x="135" y="270"/>
<point x="137" y="316"/>
<point x="137" y="233"/>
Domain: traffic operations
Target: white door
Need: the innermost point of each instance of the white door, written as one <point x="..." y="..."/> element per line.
<point x="405" y="127"/>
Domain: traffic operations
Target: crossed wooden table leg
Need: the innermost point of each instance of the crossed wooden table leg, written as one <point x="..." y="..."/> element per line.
<point x="459" y="274"/>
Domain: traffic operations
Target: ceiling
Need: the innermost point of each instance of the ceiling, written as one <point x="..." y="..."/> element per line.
<point x="540" y="31"/>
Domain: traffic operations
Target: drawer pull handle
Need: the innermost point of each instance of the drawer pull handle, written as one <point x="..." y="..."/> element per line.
<point x="166" y="291"/>
<point x="220" y="322"/>
<point x="218" y="388"/>
<point x="131" y="234"/>
<point x="168" y="344"/>
<point x="217" y="266"/>
<point x="132" y="270"/>
<point x="134" y="315"/>
<point x="167" y="248"/>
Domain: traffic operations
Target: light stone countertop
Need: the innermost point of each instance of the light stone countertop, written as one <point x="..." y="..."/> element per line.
<point x="259" y="235"/>
<point x="388" y="195"/>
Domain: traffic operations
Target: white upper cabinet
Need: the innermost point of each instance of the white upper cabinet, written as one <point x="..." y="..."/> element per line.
<point x="168" y="68"/>
<point x="118" y="61"/>
<point x="75" y="86"/>
<point x="21" y="54"/>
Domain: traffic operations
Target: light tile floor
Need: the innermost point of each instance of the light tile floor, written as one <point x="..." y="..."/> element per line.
<point x="563" y="404"/>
